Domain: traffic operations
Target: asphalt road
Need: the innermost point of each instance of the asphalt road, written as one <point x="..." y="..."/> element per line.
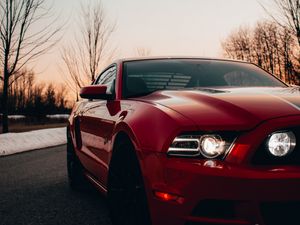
<point x="34" y="190"/>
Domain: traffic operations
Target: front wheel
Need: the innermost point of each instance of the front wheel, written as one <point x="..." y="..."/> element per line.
<point x="126" y="191"/>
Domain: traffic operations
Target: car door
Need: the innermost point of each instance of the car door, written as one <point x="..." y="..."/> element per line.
<point x="95" y="129"/>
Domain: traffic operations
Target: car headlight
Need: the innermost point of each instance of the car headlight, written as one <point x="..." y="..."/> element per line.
<point x="209" y="146"/>
<point x="281" y="143"/>
<point x="188" y="146"/>
<point x="212" y="146"/>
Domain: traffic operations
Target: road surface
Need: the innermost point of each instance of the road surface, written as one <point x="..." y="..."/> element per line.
<point x="34" y="190"/>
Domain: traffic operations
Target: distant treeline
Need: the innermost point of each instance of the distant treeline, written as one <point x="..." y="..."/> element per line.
<point x="269" y="45"/>
<point x="26" y="97"/>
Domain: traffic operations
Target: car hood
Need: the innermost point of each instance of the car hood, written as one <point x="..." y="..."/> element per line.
<point x="229" y="108"/>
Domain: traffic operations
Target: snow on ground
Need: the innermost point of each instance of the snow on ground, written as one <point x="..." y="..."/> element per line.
<point x="12" y="143"/>
<point x="16" y="117"/>
<point x="58" y="116"/>
<point x="54" y="116"/>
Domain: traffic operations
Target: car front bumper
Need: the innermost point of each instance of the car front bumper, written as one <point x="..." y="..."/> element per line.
<point x="216" y="192"/>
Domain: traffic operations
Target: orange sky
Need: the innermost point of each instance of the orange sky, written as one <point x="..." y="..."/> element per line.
<point x="167" y="27"/>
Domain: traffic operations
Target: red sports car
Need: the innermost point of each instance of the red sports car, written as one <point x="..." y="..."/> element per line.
<point x="189" y="141"/>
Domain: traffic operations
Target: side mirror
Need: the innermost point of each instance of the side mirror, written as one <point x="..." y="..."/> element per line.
<point x="94" y="92"/>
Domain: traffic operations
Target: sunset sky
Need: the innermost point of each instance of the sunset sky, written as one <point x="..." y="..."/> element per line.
<point x="166" y="27"/>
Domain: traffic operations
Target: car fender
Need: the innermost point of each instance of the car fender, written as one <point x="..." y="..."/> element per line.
<point x="152" y="127"/>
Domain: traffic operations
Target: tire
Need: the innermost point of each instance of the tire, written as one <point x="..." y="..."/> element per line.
<point x="76" y="178"/>
<point x="126" y="192"/>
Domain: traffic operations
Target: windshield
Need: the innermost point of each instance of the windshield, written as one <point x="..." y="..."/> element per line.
<point x="146" y="76"/>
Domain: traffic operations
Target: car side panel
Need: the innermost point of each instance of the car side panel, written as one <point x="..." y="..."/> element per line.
<point x="93" y="131"/>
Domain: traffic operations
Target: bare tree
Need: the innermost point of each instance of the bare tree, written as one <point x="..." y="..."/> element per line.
<point x="288" y="14"/>
<point x="269" y="45"/>
<point x="21" y="41"/>
<point x="61" y="93"/>
<point x="90" y="50"/>
<point x="20" y="90"/>
<point x="140" y="51"/>
<point x="238" y="44"/>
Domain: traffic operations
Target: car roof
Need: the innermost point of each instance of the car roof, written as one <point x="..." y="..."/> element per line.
<point x="176" y="57"/>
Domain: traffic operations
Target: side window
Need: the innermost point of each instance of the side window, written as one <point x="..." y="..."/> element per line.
<point x="108" y="78"/>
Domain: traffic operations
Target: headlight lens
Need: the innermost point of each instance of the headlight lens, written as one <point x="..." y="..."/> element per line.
<point x="209" y="146"/>
<point x="212" y="146"/>
<point x="281" y="143"/>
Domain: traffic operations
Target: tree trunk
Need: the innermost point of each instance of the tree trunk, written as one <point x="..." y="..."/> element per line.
<point x="4" y="103"/>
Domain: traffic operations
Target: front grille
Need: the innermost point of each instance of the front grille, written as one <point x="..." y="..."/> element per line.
<point x="263" y="157"/>
<point x="281" y="213"/>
